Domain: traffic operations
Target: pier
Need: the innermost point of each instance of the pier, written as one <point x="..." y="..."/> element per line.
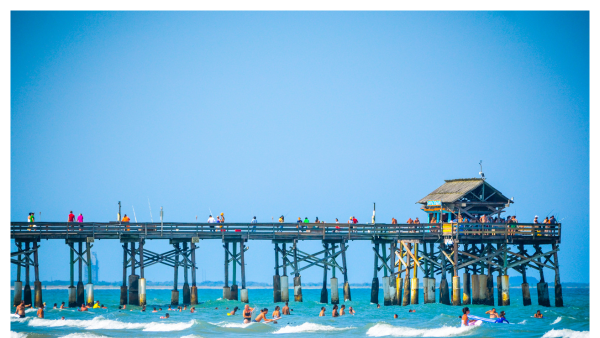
<point x="439" y="248"/>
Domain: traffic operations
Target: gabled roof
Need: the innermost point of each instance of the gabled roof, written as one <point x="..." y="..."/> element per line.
<point x="453" y="190"/>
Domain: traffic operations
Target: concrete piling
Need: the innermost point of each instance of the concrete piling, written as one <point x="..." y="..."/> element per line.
<point x="505" y="291"/>
<point x="335" y="297"/>
<point x="175" y="297"/>
<point x="406" y="290"/>
<point x="80" y="293"/>
<point x="475" y="287"/>
<point x="444" y="295"/>
<point x="72" y="300"/>
<point x="347" y="295"/>
<point x="18" y="293"/>
<point x="297" y="288"/>
<point x="489" y="292"/>
<point x="526" y="294"/>
<point x="385" y="281"/>
<point x="431" y="293"/>
<point x="142" y="291"/>
<point x="285" y="288"/>
<point x="123" y="298"/>
<point x="399" y="293"/>
<point x="243" y="291"/>
<point x="89" y="294"/>
<point x="456" y="290"/>
<point x="426" y="290"/>
<point x="244" y="296"/>
<point x="499" y="288"/>
<point x="393" y="291"/>
<point x="414" y="291"/>
<point x="543" y="297"/>
<point x="466" y="295"/>
<point x="38" y="293"/>
<point x="276" y="289"/>
<point x="324" y="289"/>
<point x="134" y="298"/>
<point x="375" y="282"/>
<point x="186" y="286"/>
<point x="194" y="291"/>
<point x="393" y="294"/>
<point x="558" y="298"/>
<point x="482" y="288"/>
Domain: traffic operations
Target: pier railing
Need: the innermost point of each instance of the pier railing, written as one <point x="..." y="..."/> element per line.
<point x="310" y="231"/>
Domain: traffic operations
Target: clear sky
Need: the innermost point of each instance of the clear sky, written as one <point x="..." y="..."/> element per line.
<point x="296" y="113"/>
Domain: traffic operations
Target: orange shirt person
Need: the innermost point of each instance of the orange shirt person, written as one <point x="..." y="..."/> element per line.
<point x="126" y="220"/>
<point x="410" y="221"/>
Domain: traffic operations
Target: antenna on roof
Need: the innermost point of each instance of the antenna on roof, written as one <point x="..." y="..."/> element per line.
<point x="481" y="170"/>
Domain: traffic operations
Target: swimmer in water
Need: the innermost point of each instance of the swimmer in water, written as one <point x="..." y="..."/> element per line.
<point x="276" y="313"/>
<point x="40" y="312"/>
<point x="62" y="318"/>
<point x="322" y="313"/>
<point x="464" y="321"/>
<point x="395" y="316"/>
<point x="262" y="316"/>
<point x="160" y="309"/>
<point x="247" y="314"/>
<point x="169" y="308"/>
<point x="409" y="311"/>
<point x="62" y="305"/>
<point x="83" y="308"/>
<point x="351" y="311"/>
<point x="342" y="308"/>
<point x="185" y="307"/>
<point x="55" y="306"/>
<point x="493" y="314"/>
<point x="166" y="316"/>
<point x="501" y="318"/>
<point x="192" y="309"/>
<point x="233" y="312"/>
<point x="538" y="314"/>
<point x="335" y="313"/>
<point x="286" y="309"/>
<point x="378" y="306"/>
<point x="103" y="307"/>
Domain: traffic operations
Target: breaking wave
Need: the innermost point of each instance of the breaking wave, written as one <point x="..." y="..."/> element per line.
<point x="380" y="330"/>
<point x="556" y="321"/>
<point x="310" y="327"/>
<point x="99" y="323"/>
<point x="566" y="333"/>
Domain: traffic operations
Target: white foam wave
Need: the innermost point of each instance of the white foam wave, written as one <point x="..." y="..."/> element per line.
<point x="191" y="336"/>
<point x="380" y="330"/>
<point x="30" y="310"/>
<point x="82" y="335"/>
<point x="310" y="327"/>
<point x="236" y="325"/>
<point x="523" y="322"/>
<point x="20" y="320"/>
<point x="14" y="334"/>
<point x="566" y="333"/>
<point x="99" y="323"/>
<point x="556" y="321"/>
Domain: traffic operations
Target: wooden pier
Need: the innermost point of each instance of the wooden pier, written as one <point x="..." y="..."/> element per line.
<point x="479" y="249"/>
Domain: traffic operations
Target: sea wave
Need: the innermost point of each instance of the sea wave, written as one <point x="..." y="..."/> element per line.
<point x="82" y="335"/>
<point x="99" y="323"/>
<point x="556" y="321"/>
<point x="566" y="333"/>
<point x="14" y="334"/>
<point x="380" y="330"/>
<point x="229" y="324"/>
<point x="310" y="327"/>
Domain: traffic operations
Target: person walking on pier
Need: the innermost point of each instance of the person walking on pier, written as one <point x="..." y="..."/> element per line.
<point x="254" y="221"/>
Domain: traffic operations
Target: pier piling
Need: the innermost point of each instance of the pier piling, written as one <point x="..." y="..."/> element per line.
<point x="285" y="286"/>
<point x="489" y="292"/>
<point x="393" y="294"/>
<point x="142" y="280"/>
<point x="558" y="298"/>
<point x="466" y="296"/>
<point x="276" y="278"/>
<point x="375" y="282"/>
<point x="123" y="298"/>
<point x="244" y="291"/>
<point x="347" y="295"/>
<point x="80" y="288"/>
<point x="505" y="291"/>
<point x="186" y="285"/>
<point x="27" y="288"/>
<point x="414" y="282"/>
<point x="233" y="295"/>
<point x="475" y="287"/>
<point x="134" y="279"/>
<point x="89" y="287"/>
<point x="324" y="289"/>
<point x="194" y="291"/>
<point x="37" y="284"/>
<point x="18" y="288"/>
<point x="444" y="295"/>
<point x="297" y="281"/>
<point x="455" y="279"/>
<point x="175" y="292"/>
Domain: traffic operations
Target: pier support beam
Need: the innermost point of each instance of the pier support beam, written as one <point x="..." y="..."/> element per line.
<point x="89" y="287"/>
<point x="393" y="294"/>
<point x="27" y="288"/>
<point x="80" y="288"/>
<point x="375" y="282"/>
<point x="347" y="296"/>
<point x="134" y="279"/>
<point x="244" y="291"/>
<point x="542" y="286"/>
<point x="277" y="278"/>
<point x="37" y="284"/>
<point x="466" y="296"/>
<point x="335" y="296"/>
<point x="186" y="285"/>
<point x="142" y="280"/>
<point x="285" y="286"/>
<point x="505" y="291"/>
<point x="489" y="292"/>
<point x="455" y="279"/>
<point x="123" y="298"/>
<point x="414" y="282"/>
<point x="175" y="292"/>
<point x="18" y="288"/>
<point x="558" y="298"/>
<point x="475" y="287"/>
<point x="297" y="281"/>
<point x="444" y="294"/>
<point x="234" y="287"/>
<point x="226" y="288"/>
<point x="194" y="293"/>
<point x="324" y="289"/>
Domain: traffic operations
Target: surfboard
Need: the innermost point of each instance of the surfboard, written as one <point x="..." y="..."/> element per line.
<point x="481" y="319"/>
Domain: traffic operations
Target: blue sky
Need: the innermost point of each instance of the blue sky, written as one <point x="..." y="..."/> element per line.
<point x="297" y="113"/>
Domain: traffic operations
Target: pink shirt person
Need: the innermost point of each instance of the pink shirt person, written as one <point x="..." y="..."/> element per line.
<point x="80" y="218"/>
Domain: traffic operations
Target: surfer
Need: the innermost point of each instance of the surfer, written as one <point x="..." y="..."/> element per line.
<point x="538" y="314"/>
<point x="501" y="318"/>
<point x="233" y="312"/>
<point x="276" y="313"/>
<point x="342" y="308"/>
<point x="247" y="314"/>
<point x="21" y="309"/>
<point x="493" y="314"/>
<point x="286" y="309"/>
<point x="335" y="313"/>
<point x="322" y="313"/>
<point x="166" y="316"/>
<point x="465" y="319"/>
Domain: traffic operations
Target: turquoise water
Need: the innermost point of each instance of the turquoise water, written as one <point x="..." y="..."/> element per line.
<point x="430" y="320"/>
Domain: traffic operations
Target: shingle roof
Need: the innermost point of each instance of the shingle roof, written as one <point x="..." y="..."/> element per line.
<point x="453" y="190"/>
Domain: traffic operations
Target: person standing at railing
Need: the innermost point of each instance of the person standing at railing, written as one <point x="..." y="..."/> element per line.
<point x="281" y="220"/>
<point x="80" y="220"/>
<point x="31" y="219"/>
<point x="126" y="220"/>
<point x="71" y="219"/>
<point x="254" y="221"/>
<point x="211" y="220"/>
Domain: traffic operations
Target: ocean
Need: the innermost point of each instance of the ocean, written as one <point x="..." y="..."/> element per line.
<point x="210" y="320"/>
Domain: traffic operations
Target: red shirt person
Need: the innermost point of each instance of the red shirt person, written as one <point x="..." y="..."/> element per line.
<point x="71" y="217"/>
